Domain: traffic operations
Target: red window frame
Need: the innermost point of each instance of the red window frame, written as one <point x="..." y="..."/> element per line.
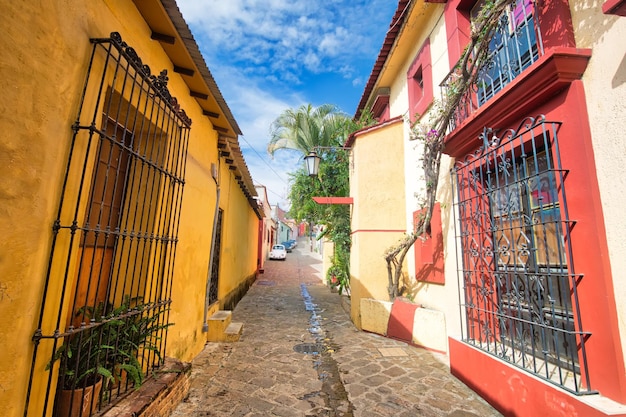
<point x="420" y="81"/>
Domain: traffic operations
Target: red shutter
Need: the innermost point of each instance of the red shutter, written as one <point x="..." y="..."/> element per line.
<point x="429" y="262"/>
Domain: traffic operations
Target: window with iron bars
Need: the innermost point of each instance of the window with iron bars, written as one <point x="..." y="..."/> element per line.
<point x="519" y="289"/>
<point x="514" y="46"/>
<point x="215" y="259"/>
<point x="105" y="310"/>
<point x="512" y="49"/>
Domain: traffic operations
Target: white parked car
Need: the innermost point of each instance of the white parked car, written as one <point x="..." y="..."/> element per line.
<point x="278" y="252"/>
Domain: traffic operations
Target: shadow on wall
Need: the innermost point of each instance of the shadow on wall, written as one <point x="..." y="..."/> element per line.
<point x="432" y="272"/>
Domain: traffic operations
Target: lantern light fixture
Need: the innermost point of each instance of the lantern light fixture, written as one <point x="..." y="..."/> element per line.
<point x="312" y="161"/>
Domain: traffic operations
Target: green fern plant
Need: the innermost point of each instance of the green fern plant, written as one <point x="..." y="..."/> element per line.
<point x="83" y="359"/>
<point x="112" y="346"/>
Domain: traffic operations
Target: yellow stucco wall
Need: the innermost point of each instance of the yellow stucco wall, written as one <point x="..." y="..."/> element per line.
<point x="378" y="216"/>
<point x="185" y="338"/>
<point x="605" y="90"/>
<point x="45" y="52"/>
<point x="238" y="254"/>
<point x="239" y="236"/>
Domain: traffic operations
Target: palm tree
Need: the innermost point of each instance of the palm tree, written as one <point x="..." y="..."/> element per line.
<point x="307" y="127"/>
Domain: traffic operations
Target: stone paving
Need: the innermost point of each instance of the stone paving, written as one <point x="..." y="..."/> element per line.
<point x="300" y="355"/>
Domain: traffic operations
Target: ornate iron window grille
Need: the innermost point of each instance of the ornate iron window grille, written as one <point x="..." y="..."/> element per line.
<point x="109" y="277"/>
<point x="518" y="287"/>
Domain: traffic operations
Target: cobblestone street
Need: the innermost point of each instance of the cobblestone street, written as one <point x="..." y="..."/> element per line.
<point x="300" y="355"/>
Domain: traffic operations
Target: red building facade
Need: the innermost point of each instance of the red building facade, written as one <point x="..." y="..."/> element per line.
<point x="537" y="296"/>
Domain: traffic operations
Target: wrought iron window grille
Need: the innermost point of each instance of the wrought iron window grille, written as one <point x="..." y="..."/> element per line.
<point x="105" y="305"/>
<point x="518" y="287"/>
<point x="215" y="261"/>
<point x="515" y="45"/>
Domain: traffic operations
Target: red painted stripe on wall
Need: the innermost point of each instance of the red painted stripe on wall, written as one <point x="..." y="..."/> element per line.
<point x="377" y="231"/>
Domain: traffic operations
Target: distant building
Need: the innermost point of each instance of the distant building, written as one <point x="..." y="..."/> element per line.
<point x="286" y="229"/>
<point x="267" y="226"/>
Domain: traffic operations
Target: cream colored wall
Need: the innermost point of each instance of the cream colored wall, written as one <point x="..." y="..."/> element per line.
<point x="42" y="72"/>
<point x="328" y="249"/>
<point x="377" y="186"/>
<point x="434" y="30"/>
<point x="442" y="298"/>
<point x="605" y="89"/>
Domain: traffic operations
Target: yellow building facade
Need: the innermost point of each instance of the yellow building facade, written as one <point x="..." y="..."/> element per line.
<point x="377" y="186"/>
<point x="124" y="196"/>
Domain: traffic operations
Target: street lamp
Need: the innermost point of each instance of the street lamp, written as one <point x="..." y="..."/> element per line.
<point x="312" y="161"/>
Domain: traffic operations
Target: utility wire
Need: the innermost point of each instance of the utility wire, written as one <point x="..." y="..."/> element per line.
<point x="264" y="161"/>
<point x="273" y="192"/>
<point x="281" y="197"/>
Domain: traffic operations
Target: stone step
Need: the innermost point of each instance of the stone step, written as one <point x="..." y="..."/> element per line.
<point x="217" y="324"/>
<point x="233" y="332"/>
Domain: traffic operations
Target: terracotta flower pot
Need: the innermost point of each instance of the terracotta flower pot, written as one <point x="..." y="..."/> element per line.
<point x="83" y="403"/>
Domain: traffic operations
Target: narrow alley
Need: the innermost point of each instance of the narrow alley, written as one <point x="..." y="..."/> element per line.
<point x="300" y="355"/>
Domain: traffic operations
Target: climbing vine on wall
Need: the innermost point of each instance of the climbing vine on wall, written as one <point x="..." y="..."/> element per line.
<point x="431" y="134"/>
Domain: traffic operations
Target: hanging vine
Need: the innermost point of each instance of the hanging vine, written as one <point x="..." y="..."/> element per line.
<point x="432" y="135"/>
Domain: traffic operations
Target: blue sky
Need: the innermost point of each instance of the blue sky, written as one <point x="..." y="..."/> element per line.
<point x="270" y="55"/>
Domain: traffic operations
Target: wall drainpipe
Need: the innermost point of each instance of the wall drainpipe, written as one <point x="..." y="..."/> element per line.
<point x="205" y="325"/>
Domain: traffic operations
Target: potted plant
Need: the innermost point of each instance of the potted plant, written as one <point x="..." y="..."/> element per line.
<point x="87" y="361"/>
<point x="82" y="372"/>
<point x="338" y="275"/>
<point x="106" y="351"/>
<point x="137" y="334"/>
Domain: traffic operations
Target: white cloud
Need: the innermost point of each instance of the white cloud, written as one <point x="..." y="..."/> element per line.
<point x="312" y="61"/>
<point x="332" y="43"/>
<point x="346" y="71"/>
<point x="358" y="81"/>
<point x="278" y="32"/>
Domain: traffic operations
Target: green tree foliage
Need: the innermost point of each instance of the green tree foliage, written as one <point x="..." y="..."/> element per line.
<point x="323" y="129"/>
<point x="332" y="181"/>
<point x="307" y="127"/>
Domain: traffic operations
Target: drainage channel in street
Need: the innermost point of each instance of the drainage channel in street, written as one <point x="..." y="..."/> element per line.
<point x="333" y="390"/>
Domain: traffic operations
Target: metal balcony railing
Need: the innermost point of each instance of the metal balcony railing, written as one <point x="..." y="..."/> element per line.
<point x="516" y="44"/>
